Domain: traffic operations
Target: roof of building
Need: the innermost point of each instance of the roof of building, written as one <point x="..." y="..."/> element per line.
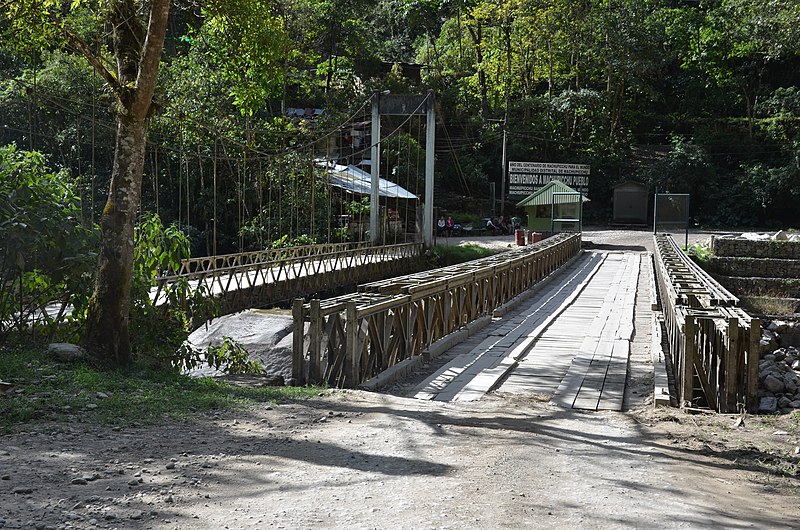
<point x="355" y="180"/>
<point x="544" y="195"/>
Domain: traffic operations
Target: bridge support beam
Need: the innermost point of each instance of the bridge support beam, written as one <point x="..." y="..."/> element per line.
<point x="375" y="171"/>
<point x="430" y="139"/>
<point x="398" y="105"/>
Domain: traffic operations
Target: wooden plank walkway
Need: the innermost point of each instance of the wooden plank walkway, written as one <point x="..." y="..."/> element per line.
<point x="571" y="340"/>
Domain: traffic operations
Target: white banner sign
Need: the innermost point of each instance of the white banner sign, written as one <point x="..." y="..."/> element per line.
<point x="525" y="178"/>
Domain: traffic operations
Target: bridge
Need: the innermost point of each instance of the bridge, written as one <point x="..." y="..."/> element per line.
<point x="547" y="319"/>
<point x="262" y="278"/>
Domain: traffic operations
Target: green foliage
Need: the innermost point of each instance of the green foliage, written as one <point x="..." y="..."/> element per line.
<point x="446" y="255"/>
<point x="297" y="203"/>
<point x="773" y="189"/>
<point x="686" y="169"/>
<point x="161" y="325"/>
<point x="230" y="357"/>
<point x="141" y="395"/>
<point x="700" y="252"/>
<point x="359" y="208"/>
<point x="287" y="242"/>
<point x="246" y="42"/>
<point x="46" y="254"/>
<point x="593" y="82"/>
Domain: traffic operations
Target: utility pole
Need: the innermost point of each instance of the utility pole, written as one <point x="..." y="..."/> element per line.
<point x="505" y="165"/>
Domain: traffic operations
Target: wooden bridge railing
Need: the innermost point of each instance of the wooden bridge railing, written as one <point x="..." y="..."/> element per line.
<point x="713" y="342"/>
<point x="251" y="279"/>
<point x="347" y="340"/>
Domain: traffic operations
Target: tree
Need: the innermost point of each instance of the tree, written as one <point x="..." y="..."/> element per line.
<point x="136" y="47"/>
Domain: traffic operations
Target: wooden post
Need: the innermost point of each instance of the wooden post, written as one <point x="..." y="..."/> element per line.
<point x="298" y="355"/>
<point x="689" y="346"/>
<point x="732" y="357"/>
<point x="352" y="357"/>
<point x="315" y="370"/>
<point x="753" y="356"/>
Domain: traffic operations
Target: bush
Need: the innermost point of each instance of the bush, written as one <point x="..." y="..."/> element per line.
<point x="445" y="255"/>
<point x="46" y="254"/>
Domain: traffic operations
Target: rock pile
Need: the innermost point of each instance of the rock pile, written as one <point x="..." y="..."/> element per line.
<point x="779" y="376"/>
<point x="778" y="370"/>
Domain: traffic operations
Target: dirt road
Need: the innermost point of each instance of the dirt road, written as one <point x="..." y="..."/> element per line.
<point x="352" y="459"/>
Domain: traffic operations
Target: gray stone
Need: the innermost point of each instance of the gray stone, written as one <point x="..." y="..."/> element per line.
<point x="791" y="336"/>
<point x="795" y="404"/>
<point x="767" y="345"/>
<point x="779" y="354"/>
<point x="66" y="353"/>
<point x="784" y="403"/>
<point x="22" y="490"/>
<point x="774" y="384"/>
<point x="768" y="404"/>
<point x="266" y="336"/>
<point x="79" y="481"/>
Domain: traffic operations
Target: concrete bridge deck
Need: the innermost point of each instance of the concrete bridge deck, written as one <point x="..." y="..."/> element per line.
<point x="571" y="340"/>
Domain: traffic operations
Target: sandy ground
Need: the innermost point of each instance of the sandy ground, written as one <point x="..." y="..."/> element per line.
<point x="353" y="459"/>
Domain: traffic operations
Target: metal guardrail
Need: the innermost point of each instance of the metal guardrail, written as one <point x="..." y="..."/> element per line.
<point x="200" y="267"/>
<point x="255" y="278"/>
<point x="347" y="340"/>
<point x="714" y="344"/>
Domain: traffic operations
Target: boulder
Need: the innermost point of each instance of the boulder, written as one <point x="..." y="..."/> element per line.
<point x="768" y="404"/>
<point x="64" y="352"/>
<point x="266" y="335"/>
<point x="774" y="384"/>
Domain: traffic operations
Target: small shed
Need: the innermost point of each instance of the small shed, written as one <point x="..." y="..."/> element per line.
<point x="631" y="203"/>
<point x="538" y="205"/>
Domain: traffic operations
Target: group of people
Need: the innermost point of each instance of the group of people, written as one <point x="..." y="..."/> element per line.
<point x="448" y="227"/>
<point x="502" y="225"/>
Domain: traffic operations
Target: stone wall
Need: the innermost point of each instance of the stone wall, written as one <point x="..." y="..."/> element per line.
<point x="758" y="267"/>
<point x="747" y="248"/>
<point x="789" y="287"/>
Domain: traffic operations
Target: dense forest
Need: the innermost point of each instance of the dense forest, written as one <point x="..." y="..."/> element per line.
<point x="690" y="96"/>
<point x="227" y="125"/>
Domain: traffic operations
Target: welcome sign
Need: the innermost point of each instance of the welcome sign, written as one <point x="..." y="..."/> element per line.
<point x="525" y="178"/>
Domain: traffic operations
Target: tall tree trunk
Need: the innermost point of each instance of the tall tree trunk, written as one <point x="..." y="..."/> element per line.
<point x="477" y="40"/>
<point x="138" y="54"/>
<point x="109" y="309"/>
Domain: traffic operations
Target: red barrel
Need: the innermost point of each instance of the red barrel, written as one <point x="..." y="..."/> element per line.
<point x="520" y="235"/>
<point x="534" y="237"/>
